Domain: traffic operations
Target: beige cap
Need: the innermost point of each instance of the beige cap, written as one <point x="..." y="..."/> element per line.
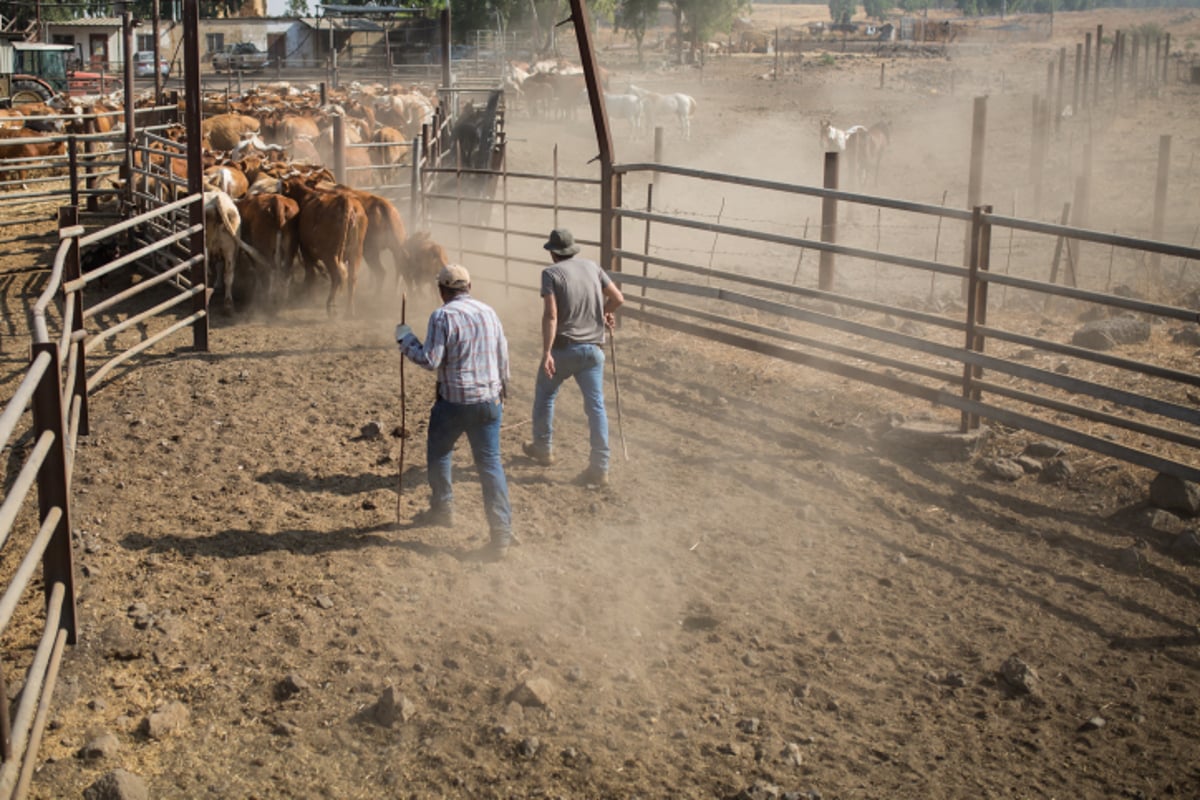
<point x="454" y="276"/>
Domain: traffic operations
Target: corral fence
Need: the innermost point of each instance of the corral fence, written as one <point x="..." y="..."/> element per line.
<point x="962" y="330"/>
<point x="55" y="388"/>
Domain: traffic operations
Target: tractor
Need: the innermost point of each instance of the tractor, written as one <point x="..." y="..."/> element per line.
<point x="33" y="72"/>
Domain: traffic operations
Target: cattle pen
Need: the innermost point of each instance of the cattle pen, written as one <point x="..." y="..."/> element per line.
<point x="958" y="330"/>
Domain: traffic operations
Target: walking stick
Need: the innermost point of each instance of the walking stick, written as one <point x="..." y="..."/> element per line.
<point x="612" y="340"/>
<point x="403" y="415"/>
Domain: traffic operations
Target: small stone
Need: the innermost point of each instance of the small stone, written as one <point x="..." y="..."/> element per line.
<point x="1130" y="561"/>
<point x="574" y="674"/>
<point x="290" y="686"/>
<point x="1093" y="724"/>
<point x="103" y="745"/>
<point x="1031" y="465"/>
<point x="1004" y="469"/>
<point x="1186" y="547"/>
<point x="791" y="755"/>
<point x="391" y="708"/>
<point x="117" y="785"/>
<point x="729" y="749"/>
<point x="528" y="748"/>
<point x="368" y="505"/>
<point x="536" y="692"/>
<point x="285" y="729"/>
<point x="1056" y="470"/>
<point x="166" y="720"/>
<point x="1019" y="675"/>
<point x="954" y="679"/>
<point x="324" y="601"/>
<point x="748" y="725"/>
<point x="1175" y="494"/>
<point x="1044" y="449"/>
<point x="750" y="660"/>
<point x="836" y="636"/>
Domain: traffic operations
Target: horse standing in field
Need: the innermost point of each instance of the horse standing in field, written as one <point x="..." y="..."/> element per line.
<point x="682" y="106"/>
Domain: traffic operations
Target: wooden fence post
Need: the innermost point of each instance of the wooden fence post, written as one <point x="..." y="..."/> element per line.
<point x="1062" y="79"/>
<point x="975" y="179"/>
<point x="1087" y="69"/>
<point x="981" y="245"/>
<point x="1077" y="75"/>
<point x="828" y="223"/>
<point x="1096" y="82"/>
<point x="1160" y="197"/>
<point x="1166" y="57"/>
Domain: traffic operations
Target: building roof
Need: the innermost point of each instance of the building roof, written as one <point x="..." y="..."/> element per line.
<point x="341" y="24"/>
<point x="330" y="9"/>
<point x="87" y="22"/>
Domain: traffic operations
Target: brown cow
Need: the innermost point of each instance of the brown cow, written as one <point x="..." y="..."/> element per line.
<point x="228" y="179"/>
<point x="27" y="150"/>
<point x="332" y="227"/>
<point x="269" y="225"/>
<point x="224" y="131"/>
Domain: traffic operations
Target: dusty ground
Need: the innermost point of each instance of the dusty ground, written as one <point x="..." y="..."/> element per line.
<point x="767" y="592"/>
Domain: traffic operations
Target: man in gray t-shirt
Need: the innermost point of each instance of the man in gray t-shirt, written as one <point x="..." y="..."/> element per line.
<point x="578" y="300"/>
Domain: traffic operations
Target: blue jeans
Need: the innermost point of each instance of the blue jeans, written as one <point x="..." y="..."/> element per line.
<point x="481" y="423"/>
<point x="584" y="363"/>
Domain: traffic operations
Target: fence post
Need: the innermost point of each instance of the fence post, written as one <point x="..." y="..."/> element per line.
<point x="73" y="169"/>
<point x="1079" y="62"/>
<point x="339" y="148"/>
<point x="504" y="213"/>
<point x="828" y="223"/>
<point x="1062" y="80"/>
<point x="1133" y="67"/>
<point x="975" y="179"/>
<point x="195" y="169"/>
<point x="1087" y="70"/>
<point x="1166" y="57"/>
<point x="52" y="484"/>
<point x="414" y="192"/>
<point x="1160" y="197"/>
<point x="981" y="242"/>
<point x="68" y="217"/>
<point x="1096" y="82"/>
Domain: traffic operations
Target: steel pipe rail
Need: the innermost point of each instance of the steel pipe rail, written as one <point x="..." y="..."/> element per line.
<point x="18" y="492"/>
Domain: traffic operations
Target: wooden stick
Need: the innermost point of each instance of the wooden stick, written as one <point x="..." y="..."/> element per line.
<point x="713" y="251"/>
<point x="937" y="240"/>
<point x="612" y="340"/>
<point x="801" y="257"/>
<point x="403" y="415"/>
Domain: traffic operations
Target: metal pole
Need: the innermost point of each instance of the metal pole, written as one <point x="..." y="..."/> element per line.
<point x="195" y="166"/>
<point x="444" y="25"/>
<point x="609" y="181"/>
<point x="1077" y="75"/>
<point x="130" y="119"/>
<point x="1096" y="82"/>
<point x="53" y="492"/>
<point x="1062" y="80"/>
<point x="339" y="148"/>
<point x="158" y="78"/>
<point x="68" y="217"/>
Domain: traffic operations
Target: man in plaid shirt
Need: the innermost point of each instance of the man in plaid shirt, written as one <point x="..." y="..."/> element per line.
<point x="465" y="345"/>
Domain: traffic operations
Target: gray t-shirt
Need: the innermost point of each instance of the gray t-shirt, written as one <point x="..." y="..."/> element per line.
<point x="578" y="288"/>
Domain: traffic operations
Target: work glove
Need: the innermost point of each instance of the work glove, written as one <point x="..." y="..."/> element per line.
<point x="402" y="330"/>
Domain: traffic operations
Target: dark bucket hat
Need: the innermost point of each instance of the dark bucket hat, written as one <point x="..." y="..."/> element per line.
<point x="561" y="243"/>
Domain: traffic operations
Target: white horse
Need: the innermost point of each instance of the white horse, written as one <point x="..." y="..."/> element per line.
<point x="664" y="105"/>
<point x="833" y="140"/>
<point x="626" y="106"/>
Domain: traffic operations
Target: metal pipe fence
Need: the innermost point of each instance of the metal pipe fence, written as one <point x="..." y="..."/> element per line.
<point x="881" y="320"/>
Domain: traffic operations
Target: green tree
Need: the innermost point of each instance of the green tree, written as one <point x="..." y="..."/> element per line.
<point x="634" y="16"/>
<point x="841" y="10"/>
<point x="297" y="8"/>
<point x="877" y="9"/>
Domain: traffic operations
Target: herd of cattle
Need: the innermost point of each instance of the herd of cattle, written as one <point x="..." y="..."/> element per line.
<point x="271" y="208"/>
<point x="270" y="203"/>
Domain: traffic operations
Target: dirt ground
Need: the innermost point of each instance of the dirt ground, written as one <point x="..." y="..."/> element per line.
<point x="769" y="598"/>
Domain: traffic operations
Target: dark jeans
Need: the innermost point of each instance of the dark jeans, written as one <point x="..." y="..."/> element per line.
<point x="481" y="423"/>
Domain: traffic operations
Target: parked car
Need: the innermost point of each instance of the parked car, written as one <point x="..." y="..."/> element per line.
<point x="243" y="57"/>
<point x="143" y="64"/>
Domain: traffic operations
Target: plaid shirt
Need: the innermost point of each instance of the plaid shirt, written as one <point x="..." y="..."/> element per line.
<point x="466" y="345"/>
